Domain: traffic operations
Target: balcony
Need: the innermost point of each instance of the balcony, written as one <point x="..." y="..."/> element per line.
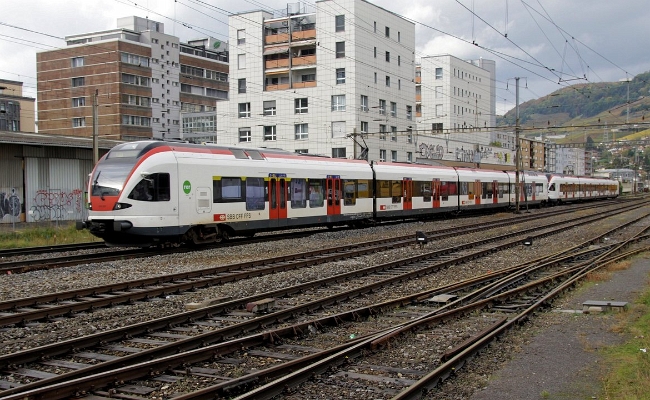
<point x="307" y="84"/>
<point x="277" y="63"/>
<point x="418" y="97"/>
<point x="418" y="79"/>
<point x="304" y="60"/>
<point x="303" y="34"/>
<point x="280" y="86"/>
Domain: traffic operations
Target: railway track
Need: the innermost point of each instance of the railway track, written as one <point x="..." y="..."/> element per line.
<point x="225" y="322"/>
<point x="55" y="305"/>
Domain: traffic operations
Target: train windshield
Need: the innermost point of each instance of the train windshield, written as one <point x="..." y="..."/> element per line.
<point x="111" y="173"/>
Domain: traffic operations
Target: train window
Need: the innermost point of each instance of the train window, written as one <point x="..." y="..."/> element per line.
<point x="239" y="153"/>
<point x="364" y="189"/>
<point x="452" y="188"/>
<point x="529" y="189"/>
<point x="539" y="188"/>
<point x="551" y="188"/>
<point x="422" y="189"/>
<point x="396" y="191"/>
<point x="255" y="155"/>
<point x="227" y="190"/>
<point x="255" y="194"/>
<point x="298" y="193"/>
<point x="463" y="189"/>
<point x="444" y="191"/>
<point x="349" y="192"/>
<point x="153" y="187"/>
<point x="316" y="190"/>
<point x="384" y="189"/>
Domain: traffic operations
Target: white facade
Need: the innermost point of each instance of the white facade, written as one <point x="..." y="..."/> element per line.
<point x="456" y="95"/>
<point x="569" y="161"/>
<point x="305" y="75"/>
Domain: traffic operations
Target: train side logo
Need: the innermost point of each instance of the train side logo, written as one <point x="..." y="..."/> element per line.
<point x="187" y="187"/>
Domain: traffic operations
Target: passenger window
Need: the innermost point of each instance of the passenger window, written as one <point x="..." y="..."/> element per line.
<point x="316" y="190"/>
<point x="227" y="190"/>
<point x="349" y="192"/>
<point x="255" y="194"/>
<point x="298" y="193"/>
<point x="396" y="192"/>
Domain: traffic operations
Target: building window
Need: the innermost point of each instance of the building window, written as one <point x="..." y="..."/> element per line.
<point x="382" y="155"/>
<point x="338" y="102"/>
<point x="388" y="56"/>
<point x="135" y="59"/>
<point x="308" y="78"/>
<point x="340" y="49"/>
<point x="393" y="155"/>
<point x="364" y="127"/>
<point x="339" y="21"/>
<point x="439" y="92"/>
<point x="78" y="101"/>
<point x="387" y="81"/>
<point x="76" y="82"/>
<point x="302" y="151"/>
<point x="270" y="133"/>
<point x="137" y="120"/>
<point x="438" y="73"/>
<point x="364" y="103"/>
<point x="78" y="122"/>
<point x="387" y="32"/>
<point x="241" y="61"/>
<point x="245" y="135"/>
<point x="244" y="110"/>
<point x="136" y="80"/>
<point x="409" y="135"/>
<point x="393" y="133"/>
<point x="399" y="36"/>
<point x="338" y="152"/>
<point x="302" y="131"/>
<point x="393" y="109"/>
<point x="399" y="84"/>
<point x="375" y="52"/>
<point x="375" y="77"/>
<point x="340" y="76"/>
<point x="382" y="132"/>
<point x="269" y="107"/>
<point x="241" y="85"/>
<point x="375" y="26"/>
<point x="409" y="157"/>
<point x="439" y="110"/>
<point x="409" y="112"/>
<point x="77" y="62"/>
<point x="301" y="106"/>
<point x="382" y="107"/>
<point x="399" y="60"/>
<point x="241" y="36"/>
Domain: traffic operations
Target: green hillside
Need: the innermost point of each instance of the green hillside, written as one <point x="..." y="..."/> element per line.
<point x="586" y="104"/>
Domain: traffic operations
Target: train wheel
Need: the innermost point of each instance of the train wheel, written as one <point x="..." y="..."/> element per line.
<point x="225" y="235"/>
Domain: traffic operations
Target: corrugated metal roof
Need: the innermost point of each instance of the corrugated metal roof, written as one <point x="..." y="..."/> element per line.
<point x="38" y="139"/>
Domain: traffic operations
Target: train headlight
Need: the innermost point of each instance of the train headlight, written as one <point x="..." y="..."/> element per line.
<point x="121" y="206"/>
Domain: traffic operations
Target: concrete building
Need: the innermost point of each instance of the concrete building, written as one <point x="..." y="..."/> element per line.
<point x="17" y="113"/>
<point x="454" y="95"/>
<point x="141" y="78"/>
<point x="336" y="80"/>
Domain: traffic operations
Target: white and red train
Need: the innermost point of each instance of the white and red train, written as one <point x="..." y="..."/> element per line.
<point x="154" y="192"/>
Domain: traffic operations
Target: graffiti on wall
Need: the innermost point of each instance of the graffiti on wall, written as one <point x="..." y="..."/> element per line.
<point x="467" y="154"/>
<point x="432" y="151"/>
<point x="54" y="204"/>
<point x="9" y="204"/>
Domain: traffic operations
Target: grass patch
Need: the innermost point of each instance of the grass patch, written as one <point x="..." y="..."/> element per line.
<point x="44" y="236"/>
<point x="628" y="374"/>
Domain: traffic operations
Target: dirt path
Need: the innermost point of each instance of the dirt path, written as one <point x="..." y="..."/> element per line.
<point x="562" y="360"/>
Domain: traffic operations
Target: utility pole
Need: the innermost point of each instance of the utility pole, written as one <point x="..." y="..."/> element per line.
<point x="95" y="128"/>
<point x="517" y="146"/>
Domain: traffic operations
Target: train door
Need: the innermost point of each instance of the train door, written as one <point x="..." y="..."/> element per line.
<point x="333" y="186"/>
<point x="277" y="200"/>
<point x="436" y="193"/>
<point x="495" y="192"/>
<point x="477" y="192"/>
<point x="407" y="188"/>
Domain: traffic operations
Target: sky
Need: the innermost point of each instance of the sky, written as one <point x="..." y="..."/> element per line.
<point x="548" y="44"/>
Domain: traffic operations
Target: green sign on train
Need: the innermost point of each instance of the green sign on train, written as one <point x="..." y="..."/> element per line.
<point x="187" y="187"/>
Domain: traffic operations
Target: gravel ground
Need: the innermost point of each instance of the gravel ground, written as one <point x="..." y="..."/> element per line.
<point x="559" y="355"/>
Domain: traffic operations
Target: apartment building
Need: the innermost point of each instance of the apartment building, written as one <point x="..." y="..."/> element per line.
<point x="454" y="95"/>
<point x="335" y="80"/>
<point x="17" y="112"/>
<point x="141" y="79"/>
